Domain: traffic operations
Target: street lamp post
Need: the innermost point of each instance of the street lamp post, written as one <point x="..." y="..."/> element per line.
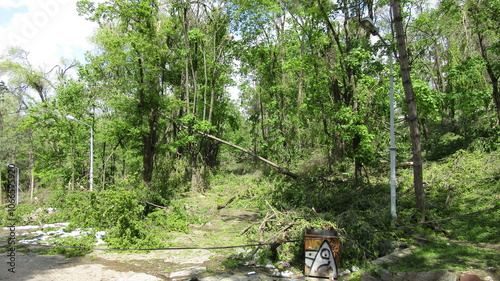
<point x="91" y="176"/>
<point x="368" y="25"/>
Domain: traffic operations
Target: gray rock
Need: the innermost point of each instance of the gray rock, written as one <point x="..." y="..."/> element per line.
<point x="386" y="275"/>
<point x="188" y="272"/>
<point x="368" y="277"/>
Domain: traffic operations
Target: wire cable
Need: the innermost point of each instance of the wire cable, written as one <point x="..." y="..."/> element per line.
<point x="261" y="244"/>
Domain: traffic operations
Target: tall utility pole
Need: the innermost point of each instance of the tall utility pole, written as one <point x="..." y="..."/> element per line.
<point x="91" y="173"/>
<point x="368" y="25"/>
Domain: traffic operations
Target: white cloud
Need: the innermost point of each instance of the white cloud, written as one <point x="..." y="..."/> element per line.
<point x="49" y="30"/>
<point x="13" y="3"/>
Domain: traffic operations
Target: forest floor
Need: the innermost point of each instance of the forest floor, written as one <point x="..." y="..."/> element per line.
<point x="223" y="228"/>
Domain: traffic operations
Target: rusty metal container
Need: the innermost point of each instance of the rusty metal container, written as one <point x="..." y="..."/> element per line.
<point x="322" y="249"/>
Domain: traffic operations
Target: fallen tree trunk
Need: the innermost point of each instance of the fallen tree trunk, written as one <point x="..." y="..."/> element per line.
<point x="272" y="164"/>
<point x="226" y="204"/>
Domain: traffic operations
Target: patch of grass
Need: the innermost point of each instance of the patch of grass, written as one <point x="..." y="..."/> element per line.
<point x="443" y="255"/>
<point x="482" y="227"/>
<point x="73" y="247"/>
<point x="231" y="263"/>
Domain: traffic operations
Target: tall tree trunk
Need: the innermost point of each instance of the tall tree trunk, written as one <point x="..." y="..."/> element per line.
<point x="412" y="109"/>
<point x="103" y="166"/>
<point x="150" y="140"/>
<point x="493" y="77"/>
<point x="150" y="137"/>
<point x="1" y="189"/>
<point x="350" y="96"/>
<point x="195" y="173"/>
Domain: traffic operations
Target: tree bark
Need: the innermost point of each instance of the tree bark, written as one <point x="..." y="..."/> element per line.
<point x="149" y="141"/>
<point x="1" y="189"/>
<point x="491" y="74"/>
<point x="412" y="109"/>
<point x="272" y="164"/>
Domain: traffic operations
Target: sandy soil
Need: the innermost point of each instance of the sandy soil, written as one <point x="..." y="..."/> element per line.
<point x="57" y="268"/>
<point x="155" y="265"/>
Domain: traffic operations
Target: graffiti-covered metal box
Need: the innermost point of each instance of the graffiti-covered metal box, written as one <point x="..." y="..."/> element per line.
<point x="322" y="253"/>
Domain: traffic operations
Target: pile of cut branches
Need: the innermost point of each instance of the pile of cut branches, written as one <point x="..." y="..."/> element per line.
<point x="286" y="229"/>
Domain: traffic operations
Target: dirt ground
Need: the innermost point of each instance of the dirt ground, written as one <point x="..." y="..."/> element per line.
<point x="155" y="265"/>
<point x="57" y="268"/>
<point x="158" y="265"/>
<point x="224" y="228"/>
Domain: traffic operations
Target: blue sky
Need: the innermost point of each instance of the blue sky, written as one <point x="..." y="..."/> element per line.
<point x="48" y="29"/>
<point x="7" y="13"/>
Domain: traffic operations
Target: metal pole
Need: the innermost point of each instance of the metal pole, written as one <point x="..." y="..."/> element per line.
<point x="91" y="180"/>
<point x="367" y="24"/>
<point x="91" y="172"/>
<point x="392" y="148"/>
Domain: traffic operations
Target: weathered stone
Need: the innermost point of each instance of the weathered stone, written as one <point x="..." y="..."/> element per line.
<point x="470" y="277"/>
<point x="188" y="272"/>
<point x="239" y="277"/>
<point x="234" y="278"/>
<point x="425" y="276"/>
<point x="368" y="277"/>
<point x="386" y="275"/>
<point x="393" y="256"/>
<point x="448" y="276"/>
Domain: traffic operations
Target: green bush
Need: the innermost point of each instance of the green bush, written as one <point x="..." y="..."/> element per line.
<point x="119" y="212"/>
<point x="174" y="219"/>
<point x="20" y="215"/>
<point x="100" y="210"/>
<point x="134" y="234"/>
<point x="463" y="183"/>
<point x="73" y="246"/>
<point x="24" y="214"/>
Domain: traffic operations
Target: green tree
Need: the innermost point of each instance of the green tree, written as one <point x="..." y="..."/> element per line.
<point x="454" y="91"/>
<point x="412" y="109"/>
<point x="132" y="64"/>
<point x="302" y="61"/>
<point x="163" y="66"/>
<point x="30" y="87"/>
<point x="483" y="17"/>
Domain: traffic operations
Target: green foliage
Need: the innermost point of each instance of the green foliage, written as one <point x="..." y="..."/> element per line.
<point x="473" y="136"/>
<point x="428" y="101"/>
<point x="174" y="219"/>
<point x="460" y="173"/>
<point x="463" y="187"/>
<point x="101" y="210"/>
<point x="445" y="255"/>
<point x="463" y="183"/>
<point x="119" y="212"/>
<point x="22" y="214"/>
<point x="444" y="146"/>
<point x="133" y="233"/>
<point x="313" y="97"/>
<point x="152" y="230"/>
<point x="73" y="246"/>
<point x="116" y="211"/>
